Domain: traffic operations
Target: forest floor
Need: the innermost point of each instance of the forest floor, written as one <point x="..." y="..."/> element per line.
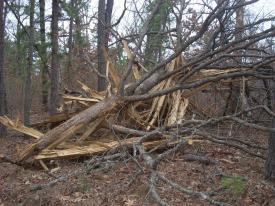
<point x="242" y="182"/>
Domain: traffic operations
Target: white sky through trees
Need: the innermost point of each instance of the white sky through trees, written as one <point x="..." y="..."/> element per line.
<point x="260" y="9"/>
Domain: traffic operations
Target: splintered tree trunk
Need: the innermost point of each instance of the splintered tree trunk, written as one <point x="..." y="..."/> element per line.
<point x="27" y="86"/>
<point x="270" y="162"/>
<point x="3" y="103"/>
<point x="43" y="52"/>
<point x="68" y="128"/>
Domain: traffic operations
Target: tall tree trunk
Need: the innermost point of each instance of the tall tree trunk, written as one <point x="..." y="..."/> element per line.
<point x="3" y="102"/>
<point x="18" y="69"/>
<point x="270" y="161"/>
<point x="43" y="53"/>
<point x="28" y="76"/>
<point x="54" y="97"/>
<point x="100" y="45"/>
<point x="70" y="46"/>
<point x="104" y="21"/>
<point x="77" y="33"/>
<point x="236" y="90"/>
<point x="155" y="39"/>
<point x="108" y="18"/>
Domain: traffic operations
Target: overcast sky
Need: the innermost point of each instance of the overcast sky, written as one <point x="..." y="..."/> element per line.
<point x="262" y="7"/>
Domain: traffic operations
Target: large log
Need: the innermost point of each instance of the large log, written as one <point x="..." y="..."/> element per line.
<point x="68" y="128"/>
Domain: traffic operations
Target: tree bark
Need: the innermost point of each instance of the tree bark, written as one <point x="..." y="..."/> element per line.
<point x="100" y="45"/>
<point x="28" y="76"/>
<point x="68" y="128"/>
<point x="3" y="102"/>
<point x="54" y="96"/>
<point x="104" y="21"/>
<point x="235" y="96"/>
<point x="70" y="46"/>
<point x="44" y="67"/>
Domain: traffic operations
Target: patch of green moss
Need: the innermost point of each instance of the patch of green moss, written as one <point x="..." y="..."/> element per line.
<point x="235" y="184"/>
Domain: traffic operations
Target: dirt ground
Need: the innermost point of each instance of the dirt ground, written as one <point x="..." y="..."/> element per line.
<point x="236" y="179"/>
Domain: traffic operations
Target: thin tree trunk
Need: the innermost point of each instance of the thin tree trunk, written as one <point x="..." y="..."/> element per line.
<point x="104" y="22"/>
<point x="44" y="66"/>
<point x="28" y="76"/>
<point x="77" y="33"/>
<point x="3" y="103"/>
<point x="18" y="70"/>
<point x="236" y="90"/>
<point x="54" y="97"/>
<point x="108" y="18"/>
<point x="70" y="46"/>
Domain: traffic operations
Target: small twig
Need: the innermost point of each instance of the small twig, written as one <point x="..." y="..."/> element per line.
<point x="202" y="195"/>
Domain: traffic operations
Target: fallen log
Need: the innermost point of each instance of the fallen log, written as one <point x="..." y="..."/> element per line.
<point x="98" y="147"/>
<point x="68" y="128"/>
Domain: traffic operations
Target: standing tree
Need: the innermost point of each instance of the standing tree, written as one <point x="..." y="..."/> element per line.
<point x="155" y="38"/>
<point x="70" y="44"/>
<point x="28" y="76"/>
<point x="235" y="94"/>
<point x="104" y="22"/>
<point x="43" y="53"/>
<point x="3" y="103"/>
<point x="54" y="96"/>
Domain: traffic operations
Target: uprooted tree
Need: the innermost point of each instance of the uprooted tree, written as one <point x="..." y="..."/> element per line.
<point x="212" y="51"/>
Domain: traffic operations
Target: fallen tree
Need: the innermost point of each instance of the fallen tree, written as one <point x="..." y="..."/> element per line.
<point x="158" y="108"/>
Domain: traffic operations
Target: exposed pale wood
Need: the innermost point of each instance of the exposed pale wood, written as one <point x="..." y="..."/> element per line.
<point x="65" y="135"/>
<point x="95" y="148"/>
<point x="173" y="115"/>
<point x="93" y="93"/>
<point x="65" y="96"/>
<point x="90" y="129"/>
<point x="18" y="126"/>
<point x="43" y="165"/>
<point x="98" y="110"/>
<point x="114" y="74"/>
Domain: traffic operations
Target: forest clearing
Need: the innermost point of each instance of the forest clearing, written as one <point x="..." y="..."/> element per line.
<point x="162" y="102"/>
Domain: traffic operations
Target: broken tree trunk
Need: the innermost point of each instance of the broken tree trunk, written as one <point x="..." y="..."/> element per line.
<point x="68" y="128"/>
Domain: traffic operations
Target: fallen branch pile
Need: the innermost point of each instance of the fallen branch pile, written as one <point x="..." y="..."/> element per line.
<point x="90" y="124"/>
<point x="157" y="114"/>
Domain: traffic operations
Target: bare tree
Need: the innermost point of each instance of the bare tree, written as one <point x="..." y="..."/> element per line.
<point x="43" y="52"/>
<point x="3" y="103"/>
<point x="54" y="95"/>
<point x="28" y="82"/>
<point x="104" y="22"/>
